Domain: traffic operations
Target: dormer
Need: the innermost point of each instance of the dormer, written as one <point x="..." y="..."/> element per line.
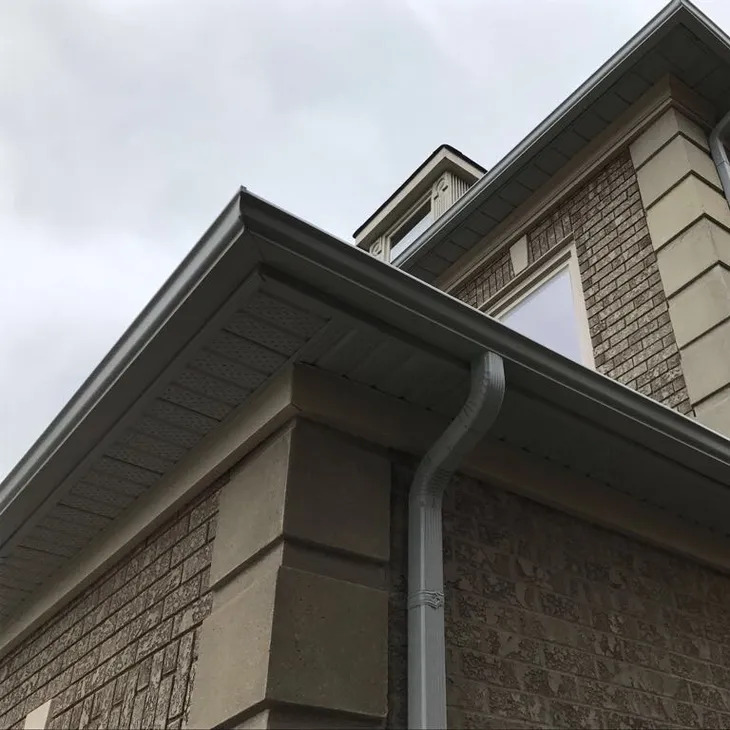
<point x="426" y="195"/>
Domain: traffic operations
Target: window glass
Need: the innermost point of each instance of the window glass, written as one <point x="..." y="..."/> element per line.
<point x="410" y="230"/>
<point x="548" y="316"/>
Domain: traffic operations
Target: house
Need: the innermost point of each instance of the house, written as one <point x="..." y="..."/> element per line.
<point x="309" y="487"/>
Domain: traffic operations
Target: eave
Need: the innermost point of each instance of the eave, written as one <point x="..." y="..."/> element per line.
<point x="262" y="291"/>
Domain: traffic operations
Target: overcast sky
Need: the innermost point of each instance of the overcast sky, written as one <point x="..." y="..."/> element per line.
<point x="126" y="126"/>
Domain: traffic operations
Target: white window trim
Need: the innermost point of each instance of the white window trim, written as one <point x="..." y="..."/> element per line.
<point x="405" y="218"/>
<point x="526" y="283"/>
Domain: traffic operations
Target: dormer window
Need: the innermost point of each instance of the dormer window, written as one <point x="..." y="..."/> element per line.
<point x="409" y="212"/>
<point x="411" y="228"/>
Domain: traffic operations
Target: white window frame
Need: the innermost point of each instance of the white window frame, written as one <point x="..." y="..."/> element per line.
<point x="405" y="218"/>
<point x="532" y="278"/>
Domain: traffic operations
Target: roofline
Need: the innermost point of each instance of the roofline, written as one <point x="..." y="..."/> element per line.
<point x="446" y="314"/>
<point x="582" y="97"/>
<point x="176" y="289"/>
<point x="445" y="320"/>
<point x="410" y="178"/>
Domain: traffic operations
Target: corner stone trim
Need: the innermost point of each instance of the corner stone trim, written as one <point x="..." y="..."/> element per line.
<point x="689" y="223"/>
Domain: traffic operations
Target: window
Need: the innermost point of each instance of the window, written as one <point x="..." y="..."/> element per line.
<point x="549" y="309"/>
<point x="411" y="229"/>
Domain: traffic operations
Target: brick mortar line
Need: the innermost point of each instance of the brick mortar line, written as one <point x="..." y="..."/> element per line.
<point x="609" y="532"/>
<point x="583" y="677"/>
<point x="116" y="630"/>
<point x="604" y="656"/>
<point x="96" y="605"/>
<point x="582" y="703"/>
<point x="590" y="581"/>
<point x="530" y="726"/>
<point x="618" y="637"/>
<point x="593" y="608"/>
<point x="105" y="579"/>
<point x="115" y="677"/>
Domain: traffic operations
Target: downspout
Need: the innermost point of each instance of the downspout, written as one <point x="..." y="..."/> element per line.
<point x="426" y="641"/>
<point x="719" y="153"/>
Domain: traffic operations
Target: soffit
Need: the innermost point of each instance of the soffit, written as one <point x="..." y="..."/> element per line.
<point x="281" y="292"/>
<point x="679" y="42"/>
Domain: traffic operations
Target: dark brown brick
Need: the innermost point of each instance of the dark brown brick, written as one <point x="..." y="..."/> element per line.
<point x="109" y="659"/>
<point x="627" y="309"/>
<point x="650" y="655"/>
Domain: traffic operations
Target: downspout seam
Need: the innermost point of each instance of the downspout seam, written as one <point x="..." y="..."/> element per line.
<point x="426" y="640"/>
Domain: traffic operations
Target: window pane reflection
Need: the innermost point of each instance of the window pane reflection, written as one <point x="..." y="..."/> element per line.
<point x="547" y="315"/>
<point x="410" y="230"/>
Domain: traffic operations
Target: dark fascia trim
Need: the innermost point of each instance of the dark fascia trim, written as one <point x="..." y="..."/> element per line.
<point x="415" y="174"/>
<point x="675" y="13"/>
<point x="131" y="346"/>
<point x="450" y="321"/>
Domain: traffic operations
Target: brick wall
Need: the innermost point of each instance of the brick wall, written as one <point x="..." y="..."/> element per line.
<point x="554" y="622"/>
<point x="398" y="587"/>
<point x="123" y="653"/>
<point x="628" y="315"/>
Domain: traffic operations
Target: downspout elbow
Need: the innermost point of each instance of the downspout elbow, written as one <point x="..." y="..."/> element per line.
<point x="426" y="642"/>
<point x="719" y="153"/>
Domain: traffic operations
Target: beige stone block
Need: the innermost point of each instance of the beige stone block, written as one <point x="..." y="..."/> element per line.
<point x="251" y="511"/>
<point x="259" y="721"/>
<point x="235" y="642"/>
<point x="38" y="718"/>
<point x="670" y="124"/>
<point x="706" y="363"/>
<point x="335" y="565"/>
<point x="338" y="493"/>
<point x="670" y="165"/>
<point x="285" y="718"/>
<point x="701" y="305"/>
<point x="700" y="247"/>
<point x="682" y="206"/>
<point x="715" y="412"/>
<point x="305" y="718"/>
<point x="330" y="644"/>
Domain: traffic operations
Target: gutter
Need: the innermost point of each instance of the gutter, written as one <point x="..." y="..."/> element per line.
<point x="719" y="153"/>
<point x="218" y="263"/>
<point x="675" y="12"/>
<point x="129" y="368"/>
<point x="541" y="136"/>
<point x="454" y="327"/>
<point x="426" y="641"/>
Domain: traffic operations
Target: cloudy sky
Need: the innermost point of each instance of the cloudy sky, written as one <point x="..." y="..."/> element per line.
<point x="126" y="125"/>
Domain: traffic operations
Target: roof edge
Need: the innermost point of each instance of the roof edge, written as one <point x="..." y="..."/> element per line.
<point x="471" y="326"/>
<point x="176" y="289"/>
<point x="410" y="179"/>
<point x="661" y="23"/>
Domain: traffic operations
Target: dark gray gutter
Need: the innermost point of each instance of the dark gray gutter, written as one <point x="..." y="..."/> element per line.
<point x="212" y="271"/>
<point x="464" y="332"/>
<point x="131" y="365"/>
<point x="540" y="137"/>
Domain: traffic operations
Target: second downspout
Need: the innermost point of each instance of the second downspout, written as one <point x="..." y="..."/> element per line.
<point x="426" y="641"/>
<point x="719" y="153"/>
